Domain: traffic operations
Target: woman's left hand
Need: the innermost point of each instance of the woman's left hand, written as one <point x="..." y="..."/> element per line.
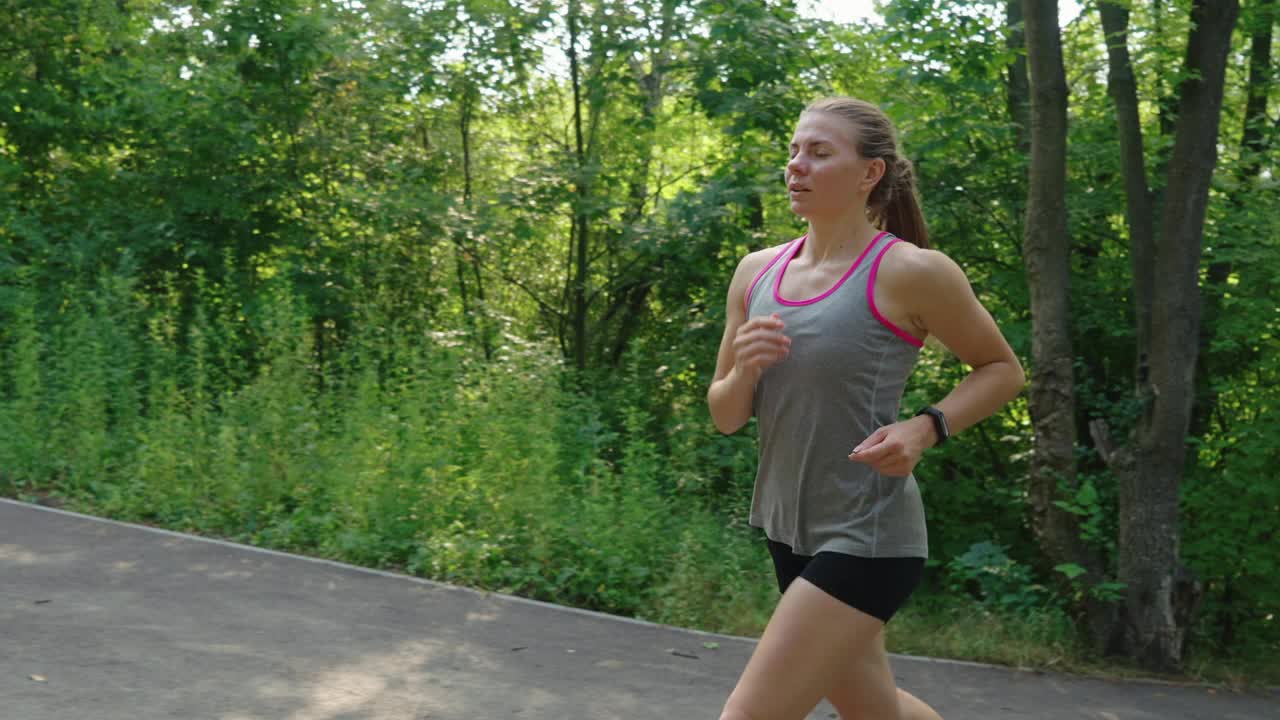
<point x="895" y="449"/>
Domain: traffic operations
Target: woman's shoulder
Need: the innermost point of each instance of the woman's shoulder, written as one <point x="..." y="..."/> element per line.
<point x="923" y="281"/>
<point x="753" y="262"/>
<point x="906" y="264"/>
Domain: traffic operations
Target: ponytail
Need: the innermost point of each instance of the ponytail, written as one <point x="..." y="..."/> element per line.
<point x="900" y="214"/>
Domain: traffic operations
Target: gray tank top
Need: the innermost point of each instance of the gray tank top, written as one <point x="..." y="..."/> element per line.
<point x="842" y="380"/>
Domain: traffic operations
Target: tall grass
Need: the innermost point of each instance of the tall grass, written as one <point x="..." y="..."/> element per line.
<point x="403" y="453"/>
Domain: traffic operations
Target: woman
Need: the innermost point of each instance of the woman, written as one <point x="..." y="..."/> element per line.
<point x="820" y="336"/>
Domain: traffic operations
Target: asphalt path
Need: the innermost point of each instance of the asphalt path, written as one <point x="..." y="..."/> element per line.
<point x="101" y="620"/>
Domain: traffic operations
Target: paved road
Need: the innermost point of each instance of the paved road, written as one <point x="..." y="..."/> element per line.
<point x="122" y="622"/>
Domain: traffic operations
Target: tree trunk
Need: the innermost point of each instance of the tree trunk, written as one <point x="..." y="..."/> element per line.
<point x="463" y="255"/>
<point x="1046" y="249"/>
<point x="1017" y="86"/>
<point x="631" y="301"/>
<point x="582" y="234"/>
<point x="1118" y="455"/>
<point x="755" y="218"/>
<point x="479" y="323"/>
<point x="1260" y="80"/>
<point x="1160" y="595"/>
<point x="1124" y="93"/>
<point x="1252" y="150"/>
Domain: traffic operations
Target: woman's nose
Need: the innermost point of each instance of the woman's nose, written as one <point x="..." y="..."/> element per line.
<point x="796" y="166"/>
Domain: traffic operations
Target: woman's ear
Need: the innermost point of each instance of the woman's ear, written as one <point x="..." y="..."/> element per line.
<point x="873" y="174"/>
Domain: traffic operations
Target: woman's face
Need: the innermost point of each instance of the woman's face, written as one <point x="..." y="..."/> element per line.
<point x="826" y="177"/>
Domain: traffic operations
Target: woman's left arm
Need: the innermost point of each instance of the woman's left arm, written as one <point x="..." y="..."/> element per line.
<point x="936" y="296"/>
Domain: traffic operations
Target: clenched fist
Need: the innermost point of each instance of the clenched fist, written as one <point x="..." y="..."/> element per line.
<point x="760" y="344"/>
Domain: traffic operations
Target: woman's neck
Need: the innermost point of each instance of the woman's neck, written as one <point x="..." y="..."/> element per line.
<point x="839" y="239"/>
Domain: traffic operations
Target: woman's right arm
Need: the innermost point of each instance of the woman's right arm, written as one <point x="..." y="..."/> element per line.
<point x="747" y="349"/>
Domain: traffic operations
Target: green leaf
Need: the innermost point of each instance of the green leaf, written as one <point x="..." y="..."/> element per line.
<point x="1069" y="507"/>
<point x="1071" y="570"/>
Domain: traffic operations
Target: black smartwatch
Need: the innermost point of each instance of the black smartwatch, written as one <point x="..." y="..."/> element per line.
<point x="939" y="422"/>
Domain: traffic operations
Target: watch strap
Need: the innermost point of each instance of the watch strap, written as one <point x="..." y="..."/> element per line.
<point x="939" y="422"/>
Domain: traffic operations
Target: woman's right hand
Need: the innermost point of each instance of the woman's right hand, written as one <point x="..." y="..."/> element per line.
<point x="747" y="348"/>
<point x="760" y="344"/>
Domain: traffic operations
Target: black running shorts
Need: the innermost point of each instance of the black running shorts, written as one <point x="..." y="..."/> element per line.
<point x="876" y="586"/>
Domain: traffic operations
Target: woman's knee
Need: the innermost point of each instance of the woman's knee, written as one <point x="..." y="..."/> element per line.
<point x="867" y="690"/>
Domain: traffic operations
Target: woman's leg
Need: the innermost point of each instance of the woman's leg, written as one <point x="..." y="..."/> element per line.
<point x="913" y="708"/>
<point x="868" y="692"/>
<point x="807" y="649"/>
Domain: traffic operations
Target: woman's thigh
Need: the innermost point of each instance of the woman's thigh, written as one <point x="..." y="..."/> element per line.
<point x="805" y="652"/>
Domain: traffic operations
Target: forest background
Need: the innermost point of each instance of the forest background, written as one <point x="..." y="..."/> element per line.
<point x="437" y="286"/>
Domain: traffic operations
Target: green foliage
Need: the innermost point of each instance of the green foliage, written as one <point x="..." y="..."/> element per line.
<point x="1086" y="504"/>
<point x="987" y="573"/>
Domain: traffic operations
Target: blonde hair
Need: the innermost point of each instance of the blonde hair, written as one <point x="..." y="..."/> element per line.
<point x="893" y="203"/>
